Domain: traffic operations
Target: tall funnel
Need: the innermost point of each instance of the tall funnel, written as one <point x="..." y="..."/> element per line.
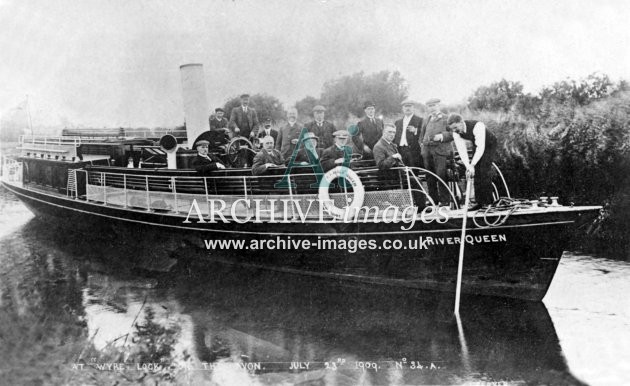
<point x="195" y="100"/>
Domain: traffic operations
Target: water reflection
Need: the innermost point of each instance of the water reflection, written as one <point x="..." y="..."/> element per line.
<point x="66" y="299"/>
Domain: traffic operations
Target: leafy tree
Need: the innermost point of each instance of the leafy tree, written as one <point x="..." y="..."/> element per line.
<point x="265" y="105"/>
<point x="580" y="92"/>
<point x="346" y="95"/>
<point x="305" y="107"/>
<point x="501" y="96"/>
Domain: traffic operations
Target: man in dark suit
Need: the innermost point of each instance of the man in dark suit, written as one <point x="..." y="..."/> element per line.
<point x="385" y="151"/>
<point x="244" y="119"/>
<point x="288" y="135"/>
<point x="407" y="135"/>
<point x="321" y="128"/>
<point x="267" y="157"/>
<point x="369" y="130"/>
<point x="205" y="162"/>
<point x="435" y="141"/>
<point x="335" y="155"/>
<point x="310" y="146"/>
<point x="218" y="121"/>
<point x="268" y="131"/>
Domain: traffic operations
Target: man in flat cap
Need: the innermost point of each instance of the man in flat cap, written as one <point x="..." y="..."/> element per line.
<point x="288" y="134"/>
<point x="267" y="130"/>
<point x="369" y="130"/>
<point x="408" y="133"/>
<point x="386" y="154"/>
<point x="267" y="157"/>
<point x="205" y="162"/>
<point x="484" y="146"/>
<point x="244" y="119"/>
<point x="218" y="121"/>
<point x="435" y="141"/>
<point x="320" y="127"/>
<point x="335" y="155"/>
<point x="309" y="149"/>
<point x="218" y="134"/>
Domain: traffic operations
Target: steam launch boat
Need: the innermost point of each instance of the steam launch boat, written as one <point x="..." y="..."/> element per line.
<point x="374" y="229"/>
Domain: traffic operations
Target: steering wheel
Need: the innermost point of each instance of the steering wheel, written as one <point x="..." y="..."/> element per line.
<point x="237" y="151"/>
<point x="356" y="157"/>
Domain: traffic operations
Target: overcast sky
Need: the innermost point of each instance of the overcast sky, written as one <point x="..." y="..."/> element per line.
<point x="116" y="62"/>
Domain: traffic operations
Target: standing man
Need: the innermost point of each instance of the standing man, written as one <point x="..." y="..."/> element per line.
<point x="408" y="134"/>
<point x="386" y="153"/>
<point x="335" y="155"/>
<point x="288" y="134"/>
<point x="369" y="128"/>
<point x="321" y="128"/>
<point x="435" y="141"/>
<point x="205" y="162"/>
<point x="218" y="121"/>
<point x="268" y="131"/>
<point x="267" y="157"/>
<point x="484" y="147"/>
<point x="244" y="119"/>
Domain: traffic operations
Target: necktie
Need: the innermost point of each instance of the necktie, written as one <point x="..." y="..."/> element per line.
<point x="372" y="119"/>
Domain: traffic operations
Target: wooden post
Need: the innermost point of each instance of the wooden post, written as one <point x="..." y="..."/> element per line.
<point x="460" y="263"/>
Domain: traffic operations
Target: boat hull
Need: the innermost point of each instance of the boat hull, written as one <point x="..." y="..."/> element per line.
<point x="516" y="259"/>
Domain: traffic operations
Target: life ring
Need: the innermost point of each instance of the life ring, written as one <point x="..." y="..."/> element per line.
<point x="357" y="188"/>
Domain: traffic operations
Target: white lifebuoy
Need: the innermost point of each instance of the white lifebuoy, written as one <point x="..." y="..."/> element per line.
<point x="357" y="189"/>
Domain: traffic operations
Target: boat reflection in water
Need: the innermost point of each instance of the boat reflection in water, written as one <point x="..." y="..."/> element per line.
<point x="239" y="326"/>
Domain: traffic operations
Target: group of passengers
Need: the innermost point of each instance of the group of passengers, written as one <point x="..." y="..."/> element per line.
<point x="410" y="141"/>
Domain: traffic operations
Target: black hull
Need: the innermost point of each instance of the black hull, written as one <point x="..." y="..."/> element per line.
<point x="517" y="259"/>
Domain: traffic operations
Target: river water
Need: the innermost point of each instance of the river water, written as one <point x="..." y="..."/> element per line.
<point x="72" y="311"/>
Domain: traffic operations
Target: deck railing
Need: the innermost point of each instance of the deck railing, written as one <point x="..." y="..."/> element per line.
<point x="45" y="142"/>
<point x="171" y="194"/>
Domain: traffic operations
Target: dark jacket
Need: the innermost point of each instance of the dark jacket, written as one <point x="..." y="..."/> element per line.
<point x="325" y="133"/>
<point x="272" y="132"/>
<point x="264" y="157"/>
<point x="329" y="155"/>
<point x="369" y="133"/>
<point x="247" y="123"/>
<point x="383" y="153"/>
<point x="204" y="165"/>
<point x="432" y="126"/>
<point x="302" y="155"/>
<point x="412" y="139"/>
<point x="215" y="125"/>
<point x="286" y="134"/>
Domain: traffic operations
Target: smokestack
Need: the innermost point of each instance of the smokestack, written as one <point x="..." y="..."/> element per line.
<point x="195" y="100"/>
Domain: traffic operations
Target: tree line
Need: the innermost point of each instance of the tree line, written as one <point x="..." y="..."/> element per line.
<point x="570" y="139"/>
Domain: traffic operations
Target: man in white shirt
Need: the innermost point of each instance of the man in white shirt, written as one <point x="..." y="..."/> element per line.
<point x="408" y="133"/>
<point x="484" y="147"/>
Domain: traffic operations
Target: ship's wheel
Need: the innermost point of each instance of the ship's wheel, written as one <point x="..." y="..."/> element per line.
<point x="238" y="151"/>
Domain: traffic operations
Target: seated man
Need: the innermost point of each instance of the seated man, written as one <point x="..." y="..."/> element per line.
<point x="267" y="157"/>
<point x="204" y="162"/>
<point x="335" y="155"/>
<point x="308" y="147"/>
<point x="386" y="153"/>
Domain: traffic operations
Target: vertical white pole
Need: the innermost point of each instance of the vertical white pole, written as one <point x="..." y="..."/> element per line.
<point x="460" y="264"/>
